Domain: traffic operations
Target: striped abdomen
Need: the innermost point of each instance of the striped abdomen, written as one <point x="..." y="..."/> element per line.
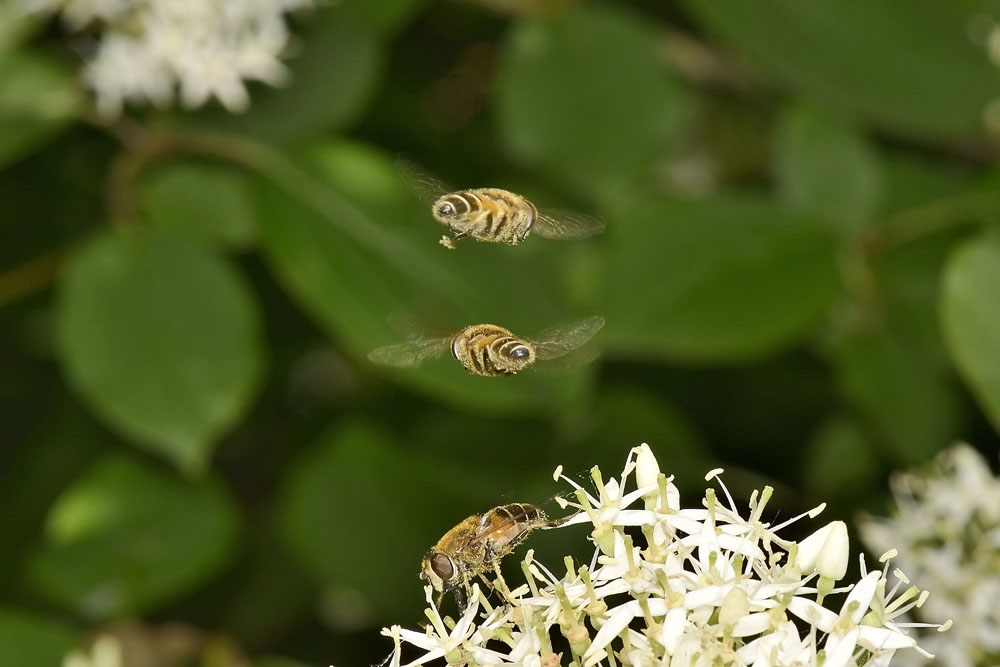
<point x="486" y="349"/>
<point x="487" y="214"/>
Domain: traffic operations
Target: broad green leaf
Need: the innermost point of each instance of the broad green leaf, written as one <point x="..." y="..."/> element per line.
<point x="201" y="202"/>
<point x="28" y="640"/>
<point x="330" y="80"/>
<point x="839" y="461"/>
<point x="354" y="532"/>
<point x="826" y="169"/>
<point x="970" y="317"/>
<point x="37" y="98"/>
<point x="357" y="250"/>
<point x="585" y="97"/>
<point x="125" y="538"/>
<point x="894" y="382"/>
<point x="162" y="340"/>
<point x="715" y="281"/>
<point x="908" y="66"/>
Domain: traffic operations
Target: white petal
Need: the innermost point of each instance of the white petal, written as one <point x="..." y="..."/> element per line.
<point x="840" y="649"/>
<point x="619" y="620"/>
<point x="674" y="625"/>
<point x="812" y="613"/>
<point x="752" y="624"/>
<point x="862" y="593"/>
<point x="877" y="639"/>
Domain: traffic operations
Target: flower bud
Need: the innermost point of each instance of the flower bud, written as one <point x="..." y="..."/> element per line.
<point x="826" y="551"/>
<point x="646" y="467"/>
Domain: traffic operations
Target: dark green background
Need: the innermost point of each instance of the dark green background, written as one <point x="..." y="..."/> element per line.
<point x="800" y="275"/>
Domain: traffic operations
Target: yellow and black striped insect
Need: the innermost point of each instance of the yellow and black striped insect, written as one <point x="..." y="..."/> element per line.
<point x="491" y="350"/>
<point x="492" y="214"/>
<point x="477" y="544"/>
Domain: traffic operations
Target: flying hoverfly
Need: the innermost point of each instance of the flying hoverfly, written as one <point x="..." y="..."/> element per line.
<point x="491" y="350"/>
<point x="493" y="214"/>
<point x="477" y="544"/>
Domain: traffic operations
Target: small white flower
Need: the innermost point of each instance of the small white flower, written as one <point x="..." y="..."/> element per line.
<point x="152" y="51"/>
<point x="695" y="587"/>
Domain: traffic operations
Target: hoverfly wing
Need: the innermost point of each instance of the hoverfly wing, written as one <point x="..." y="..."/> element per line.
<point x="558" y="224"/>
<point x="410" y="353"/>
<point x="491" y="523"/>
<point x="560" y="340"/>
<point x="427" y="188"/>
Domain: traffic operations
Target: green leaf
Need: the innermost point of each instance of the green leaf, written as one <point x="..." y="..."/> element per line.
<point x="125" y="538"/>
<point x="355" y="248"/>
<point x="910" y="67"/>
<point x="825" y="168"/>
<point x="331" y="79"/>
<point x="585" y="97"/>
<point x="201" y="202"/>
<point x="162" y="340"/>
<point x="894" y="381"/>
<point x="839" y="461"/>
<point x="37" y="98"/>
<point x="715" y="281"/>
<point x="970" y="317"/>
<point x="355" y="534"/>
<point x="27" y="640"/>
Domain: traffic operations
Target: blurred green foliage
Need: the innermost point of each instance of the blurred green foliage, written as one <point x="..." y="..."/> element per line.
<point x="799" y="274"/>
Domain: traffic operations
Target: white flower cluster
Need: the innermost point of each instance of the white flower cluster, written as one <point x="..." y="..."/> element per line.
<point x="152" y="50"/>
<point x="702" y="587"/>
<point x="947" y="528"/>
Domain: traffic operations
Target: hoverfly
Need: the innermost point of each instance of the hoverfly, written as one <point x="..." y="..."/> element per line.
<point x="477" y="544"/>
<point x="491" y="350"/>
<point x="493" y="214"/>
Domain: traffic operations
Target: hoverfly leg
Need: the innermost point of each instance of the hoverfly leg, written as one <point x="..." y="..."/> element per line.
<point x="499" y="584"/>
<point x="449" y="241"/>
<point x="489" y="584"/>
<point x="460" y="599"/>
<point x="555" y="523"/>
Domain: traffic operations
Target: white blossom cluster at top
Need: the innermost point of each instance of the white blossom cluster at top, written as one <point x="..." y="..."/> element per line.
<point x="697" y="587"/>
<point x="946" y="526"/>
<point x="153" y="51"/>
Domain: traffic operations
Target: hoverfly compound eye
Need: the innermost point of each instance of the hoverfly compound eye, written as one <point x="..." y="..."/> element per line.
<point x="442" y="566"/>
